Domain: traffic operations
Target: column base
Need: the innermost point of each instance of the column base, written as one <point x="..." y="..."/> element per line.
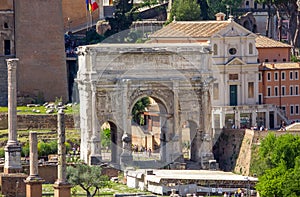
<point x="34" y="186"/>
<point x="205" y="158"/>
<point x="12" y="158"/>
<point x="62" y="189"/>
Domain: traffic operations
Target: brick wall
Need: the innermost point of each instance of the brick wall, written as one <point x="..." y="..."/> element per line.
<point x="42" y="70"/>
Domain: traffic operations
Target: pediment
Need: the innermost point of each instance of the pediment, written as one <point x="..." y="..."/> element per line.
<point x="235" y="61"/>
<point x="235" y="30"/>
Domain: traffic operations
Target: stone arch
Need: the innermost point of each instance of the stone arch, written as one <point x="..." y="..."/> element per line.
<point x="191" y="133"/>
<point x="164" y="113"/>
<point x="111" y="78"/>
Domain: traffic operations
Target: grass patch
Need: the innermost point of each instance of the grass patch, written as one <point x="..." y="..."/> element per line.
<point x="78" y="191"/>
<point x="42" y="110"/>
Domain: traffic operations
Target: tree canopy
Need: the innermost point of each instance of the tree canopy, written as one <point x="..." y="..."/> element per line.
<point x="185" y="10"/>
<point x="139" y="108"/>
<point x="278" y="166"/>
<point x="89" y="178"/>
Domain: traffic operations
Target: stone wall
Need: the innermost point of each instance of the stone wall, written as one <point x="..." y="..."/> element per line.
<point x="227" y="148"/>
<point x="26" y="122"/>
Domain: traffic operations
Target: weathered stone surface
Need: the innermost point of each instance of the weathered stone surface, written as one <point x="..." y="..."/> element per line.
<point x="112" y="77"/>
<point x="40" y="121"/>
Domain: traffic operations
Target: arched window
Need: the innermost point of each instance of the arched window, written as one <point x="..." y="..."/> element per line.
<point x="215" y="49"/>
<point x="250" y="48"/>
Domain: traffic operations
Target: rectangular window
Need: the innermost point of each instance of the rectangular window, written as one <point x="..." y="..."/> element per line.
<point x="269" y="91"/>
<point x="276" y="91"/>
<point x="251" y="90"/>
<point x="291" y="90"/>
<point x="216" y="91"/>
<point x="283" y="108"/>
<point x="233" y="76"/>
<point x="291" y="75"/>
<point x="296" y="90"/>
<point x="6" y="47"/>
<point x="283" y="75"/>
<point x="269" y="76"/>
<point x="282" y="90"/>
<point x="296" y="75"/>
<point x="259" y="76"/>
<point x="297" y="109"/>
<point x="276" y="76"/>
<point x="292" y="109"/>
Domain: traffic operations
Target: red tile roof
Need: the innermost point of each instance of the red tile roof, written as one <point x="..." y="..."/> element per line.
<point x="194" y="29"/>
<point x="265" y="42"/>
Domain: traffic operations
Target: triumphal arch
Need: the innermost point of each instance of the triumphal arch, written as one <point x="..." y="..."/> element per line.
<point x="113" y="77"/>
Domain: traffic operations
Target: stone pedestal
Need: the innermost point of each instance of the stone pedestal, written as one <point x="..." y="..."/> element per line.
<point x="62" y="190"/>
<point x="13" y="185"/>
<point x="34" y="188"/>
<point x="12" y="159"/>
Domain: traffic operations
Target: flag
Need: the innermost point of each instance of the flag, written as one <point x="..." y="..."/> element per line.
<point x="91" y="5"/>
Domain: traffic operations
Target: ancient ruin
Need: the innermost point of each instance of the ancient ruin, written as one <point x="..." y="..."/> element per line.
<point x="113" y="77"/>
<point x="33" y="181"/>
<point x="12" y="148"/>
<point x="12" y="180"/>
<point x="61" y="186"/>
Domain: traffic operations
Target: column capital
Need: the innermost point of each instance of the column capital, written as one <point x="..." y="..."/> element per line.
<point x="12" y="63"/>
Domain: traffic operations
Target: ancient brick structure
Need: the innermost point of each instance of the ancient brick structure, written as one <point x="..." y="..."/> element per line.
<point x="39" y="44"/>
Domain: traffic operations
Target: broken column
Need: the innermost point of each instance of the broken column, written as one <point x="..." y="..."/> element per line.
<point x="61" y="187"/>
<point x="33" y="181"/>
<point x="12" y="149"/>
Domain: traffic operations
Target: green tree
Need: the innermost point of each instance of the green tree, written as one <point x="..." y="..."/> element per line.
<point x="216" y="6"/>
<point x="279" y="164"/>
<point x="139" y="108"/>
<point x="105" y="137"/>
<point x="89" y="178"/>
<point x="185" y="10"/>
<point x="122" y="19"/>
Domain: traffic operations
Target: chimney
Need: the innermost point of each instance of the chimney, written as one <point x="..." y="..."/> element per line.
<point x="220" y="16"/>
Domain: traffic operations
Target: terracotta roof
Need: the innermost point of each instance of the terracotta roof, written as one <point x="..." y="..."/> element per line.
<point x="200" y="29"/>
<point x="265" y="42"/>
<point x="287" y="65"/>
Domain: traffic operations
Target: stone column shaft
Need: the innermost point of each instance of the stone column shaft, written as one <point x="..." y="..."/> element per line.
<point x="95" y="157"/>
<point x="61" y="187"/>
<point x="12" y="100"/>
<point x="34" y="170"/>
<point x="33" y="181"/>
<point x="61" y="168"/>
